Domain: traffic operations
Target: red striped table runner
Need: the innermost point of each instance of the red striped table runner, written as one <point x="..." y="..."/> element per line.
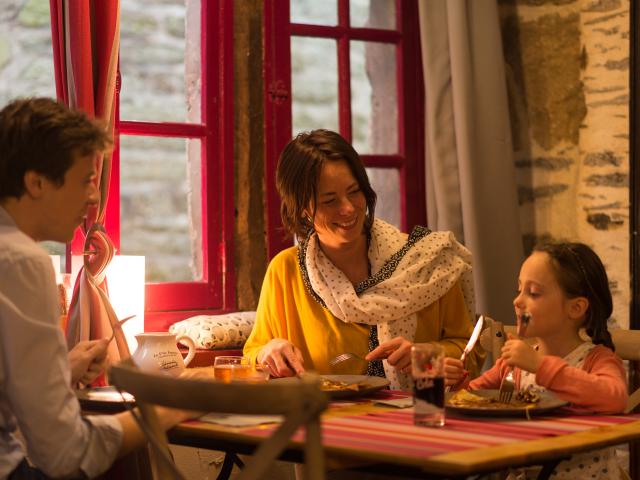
<point x="393" y="432"/>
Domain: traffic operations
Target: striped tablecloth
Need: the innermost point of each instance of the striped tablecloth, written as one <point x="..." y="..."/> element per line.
<point x="392" y="432"/>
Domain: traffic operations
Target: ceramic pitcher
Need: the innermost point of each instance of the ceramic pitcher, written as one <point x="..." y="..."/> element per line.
<point x="158" y="351"/>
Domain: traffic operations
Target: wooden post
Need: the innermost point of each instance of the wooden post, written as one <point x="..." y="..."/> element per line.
<point x="250" y="239"/>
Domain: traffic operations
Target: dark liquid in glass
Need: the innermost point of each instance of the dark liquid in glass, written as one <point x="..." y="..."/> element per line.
<point x="433" y="394"/>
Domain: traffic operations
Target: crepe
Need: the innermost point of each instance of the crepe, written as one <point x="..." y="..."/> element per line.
<point x="333" y="385"/>
<point x="467" y="399"/>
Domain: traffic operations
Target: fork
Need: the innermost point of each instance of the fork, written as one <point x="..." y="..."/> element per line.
<point x="118" y="325"/>
<point x="343" y="357"/>
<point x="508" y="385"/>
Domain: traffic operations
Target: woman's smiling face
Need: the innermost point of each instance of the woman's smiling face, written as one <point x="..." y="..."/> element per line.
<point x="340" y="205"/>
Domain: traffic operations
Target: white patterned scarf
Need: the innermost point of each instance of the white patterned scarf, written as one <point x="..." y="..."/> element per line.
<point x="408" y="275"/>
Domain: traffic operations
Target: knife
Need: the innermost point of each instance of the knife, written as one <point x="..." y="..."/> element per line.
<point x="473" y="338"/>
<point x="475" y="335"/>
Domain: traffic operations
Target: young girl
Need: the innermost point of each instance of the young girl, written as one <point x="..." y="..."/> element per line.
<point x="563" y="287"/>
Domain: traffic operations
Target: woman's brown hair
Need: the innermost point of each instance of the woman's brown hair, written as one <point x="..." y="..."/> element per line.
<point x="299" y="170"/>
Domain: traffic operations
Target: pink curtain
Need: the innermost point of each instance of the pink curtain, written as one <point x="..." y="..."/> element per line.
<point x="86" y="39"/>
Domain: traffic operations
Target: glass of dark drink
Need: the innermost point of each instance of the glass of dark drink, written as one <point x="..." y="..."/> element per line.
<point x="427" y="370"/>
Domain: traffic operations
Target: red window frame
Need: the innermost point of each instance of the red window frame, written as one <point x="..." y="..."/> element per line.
<point x="410" y="90"/>
<point x="168" y="302"/>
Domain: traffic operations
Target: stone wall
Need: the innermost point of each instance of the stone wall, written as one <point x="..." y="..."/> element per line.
<point x="567" y="75"/>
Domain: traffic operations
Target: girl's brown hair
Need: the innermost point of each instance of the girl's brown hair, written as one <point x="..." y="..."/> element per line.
<point x="298" y="174"/>
<point x="580" y="273"/>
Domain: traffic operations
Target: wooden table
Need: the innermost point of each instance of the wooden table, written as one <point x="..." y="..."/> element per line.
<point x="382" y="439"/>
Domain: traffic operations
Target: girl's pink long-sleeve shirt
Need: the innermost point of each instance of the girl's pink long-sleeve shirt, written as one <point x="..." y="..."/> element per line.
<point x="600" y="386"/>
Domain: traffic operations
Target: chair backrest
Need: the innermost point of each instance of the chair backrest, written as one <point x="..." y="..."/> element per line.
<point x="627" y="343"/>
<point x="300" y="401"/>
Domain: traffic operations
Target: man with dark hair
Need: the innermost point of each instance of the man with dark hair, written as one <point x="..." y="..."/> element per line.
<point x="48" y="162"/>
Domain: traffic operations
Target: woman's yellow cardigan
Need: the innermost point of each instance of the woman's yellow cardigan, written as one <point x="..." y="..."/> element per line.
<point x="286" y="310"/>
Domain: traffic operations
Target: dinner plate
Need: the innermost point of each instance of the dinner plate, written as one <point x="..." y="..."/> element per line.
<point x="548" y="402"/>
<point x="103" y="399"/>
<point x="369" y="385"/>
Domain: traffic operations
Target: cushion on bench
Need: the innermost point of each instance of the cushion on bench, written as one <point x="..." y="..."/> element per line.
<point x="217" y="331"/>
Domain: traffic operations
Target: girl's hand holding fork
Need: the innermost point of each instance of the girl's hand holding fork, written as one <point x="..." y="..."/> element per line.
<point x="517" y="353"/>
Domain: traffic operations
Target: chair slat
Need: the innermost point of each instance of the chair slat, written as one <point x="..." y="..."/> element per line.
<point x="300" y="400"/>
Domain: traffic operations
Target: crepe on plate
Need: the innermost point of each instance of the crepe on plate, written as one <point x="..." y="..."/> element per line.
<point x="467" y="399"/>
<point x="333" y="385"/>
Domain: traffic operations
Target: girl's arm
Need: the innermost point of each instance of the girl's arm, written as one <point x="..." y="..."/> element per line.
<point x="490" y="379"/>
<point x="455" y="327"/>
<point x="599" y="386"/>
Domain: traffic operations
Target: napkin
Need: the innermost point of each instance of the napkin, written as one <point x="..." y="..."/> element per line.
<point x="109" y="396"/>
<point x="230" y="420"/>
<point x="396" y="402"/>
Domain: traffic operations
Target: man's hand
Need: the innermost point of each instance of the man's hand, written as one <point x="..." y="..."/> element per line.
<point x="282" y="357"/>
<point x="87" y="360"/>
<point x="397" y="351"/>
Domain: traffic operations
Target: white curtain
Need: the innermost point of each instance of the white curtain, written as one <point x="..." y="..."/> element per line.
<point x="471" y="185"/>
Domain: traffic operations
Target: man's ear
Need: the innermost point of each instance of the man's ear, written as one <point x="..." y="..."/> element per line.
<point x="33" y="184"/>
<point x="578" y="307"/>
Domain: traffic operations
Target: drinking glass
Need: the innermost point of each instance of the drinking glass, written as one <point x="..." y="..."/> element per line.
<point x="259" y="373"/>
<point x="427" y="370"/>
<point x="228" y="368"/>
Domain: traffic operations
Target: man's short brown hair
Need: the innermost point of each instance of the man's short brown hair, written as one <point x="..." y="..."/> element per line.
<point x="42" y="135"/>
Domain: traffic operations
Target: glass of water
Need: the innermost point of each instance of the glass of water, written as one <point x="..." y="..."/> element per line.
<point x="427" y="370"/>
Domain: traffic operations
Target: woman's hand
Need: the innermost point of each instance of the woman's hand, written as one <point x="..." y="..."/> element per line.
<point x="454" y="371"/>
<point x="517" y="353"/>
<point x="397" y="351"/>
<point x="282" y="357"/>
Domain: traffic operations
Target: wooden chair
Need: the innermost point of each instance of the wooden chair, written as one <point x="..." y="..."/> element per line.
<point x="299" y="401"/>
<point x="627" y="343"/>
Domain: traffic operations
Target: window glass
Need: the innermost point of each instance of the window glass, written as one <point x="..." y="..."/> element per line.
<point x="160" y="204"/>
<point x="26" y="64"/>
<point x="386" y="183"/>
<point x="373" y="14"/>
<point x="314" y="83"/>
<point x="374" y="97"/>
<point x="324" y="12"/>
<point x="157" y="83"/>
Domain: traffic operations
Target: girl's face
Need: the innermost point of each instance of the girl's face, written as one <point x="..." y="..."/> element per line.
<point x="341" y="205"/>
<point x="540" y="294"/>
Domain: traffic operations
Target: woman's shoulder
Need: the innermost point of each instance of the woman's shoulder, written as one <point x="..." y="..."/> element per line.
<point x="285" y="259"/>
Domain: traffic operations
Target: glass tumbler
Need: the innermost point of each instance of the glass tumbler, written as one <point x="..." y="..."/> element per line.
<point x="427" y="370"/>
<point x="228" y="368"/>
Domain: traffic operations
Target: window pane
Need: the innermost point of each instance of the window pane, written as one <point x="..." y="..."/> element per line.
<point x="386" y="183"/>
<point x="157" y="185"/>
<point x="159" y="63"/>
<point x="26" y="56"/>
<point x="314" y="84"/>
<point x="373" y="13"/>
<point x="322" y="12"/>
<point x="26" y="62"/>
<point x="374" y="98"/>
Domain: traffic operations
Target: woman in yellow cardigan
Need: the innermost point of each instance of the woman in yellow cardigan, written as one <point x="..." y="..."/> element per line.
<point x="354" y="283"/>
